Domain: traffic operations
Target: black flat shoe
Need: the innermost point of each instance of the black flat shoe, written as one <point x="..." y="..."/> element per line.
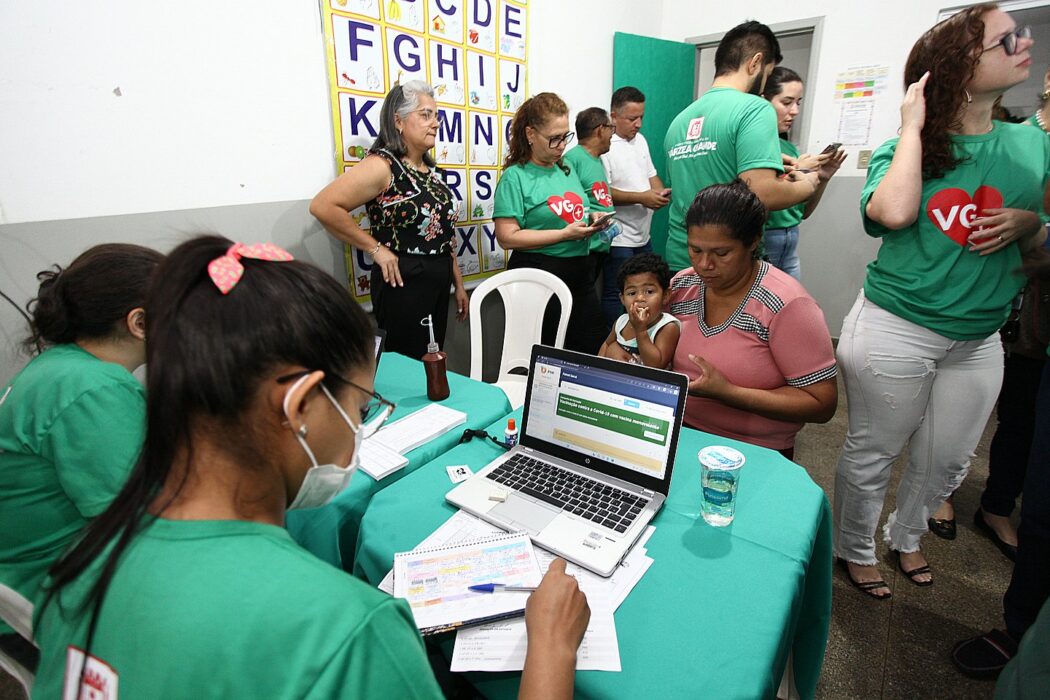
<point x="1009" y="550"/>
<point x="985" y="656"/>
<point x="945" y="529"/>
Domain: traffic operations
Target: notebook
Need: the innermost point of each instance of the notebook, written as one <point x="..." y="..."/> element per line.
<point x="593" y="463"/>
<point x="436" y="582"/>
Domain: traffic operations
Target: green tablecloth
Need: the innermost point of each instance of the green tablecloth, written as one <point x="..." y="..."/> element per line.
<point x="330" y="532"/>
<point x="719" y="610"/>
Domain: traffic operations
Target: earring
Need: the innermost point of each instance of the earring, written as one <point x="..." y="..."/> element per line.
<point x="302" y="430"/>
<point x="968" y="98"/>
<point x="1045" y="96"/>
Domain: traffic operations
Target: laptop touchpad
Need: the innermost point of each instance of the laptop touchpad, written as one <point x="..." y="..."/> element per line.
<point x="525" y="514"/>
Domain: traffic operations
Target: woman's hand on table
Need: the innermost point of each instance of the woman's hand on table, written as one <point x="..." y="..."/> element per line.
<point x="711" y="383"/>
<point x="556" y="614"/>
<point x="578" y="230"/>
<point x="462" y="303"/>
<point x="387" y="261"/>
<point x="996" y="229"/>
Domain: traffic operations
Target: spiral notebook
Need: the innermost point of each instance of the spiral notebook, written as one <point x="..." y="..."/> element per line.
<point x="436" y="582"/>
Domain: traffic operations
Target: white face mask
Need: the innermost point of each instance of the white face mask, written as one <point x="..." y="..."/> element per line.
<point x="323" y="481"/>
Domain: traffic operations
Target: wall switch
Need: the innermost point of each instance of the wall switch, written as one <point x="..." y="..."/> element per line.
<point x="863" y="158"/>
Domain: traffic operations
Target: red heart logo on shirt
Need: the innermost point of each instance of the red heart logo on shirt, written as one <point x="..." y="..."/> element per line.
<point x="952" y="210"/>
<point x="601" y="194"/>
<point x="568" y="207"/>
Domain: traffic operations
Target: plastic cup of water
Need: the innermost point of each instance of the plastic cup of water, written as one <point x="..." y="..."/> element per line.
<point x="719" y="476"/>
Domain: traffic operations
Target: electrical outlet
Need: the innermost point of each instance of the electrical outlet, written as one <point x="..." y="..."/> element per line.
<point x="863" y="158"/>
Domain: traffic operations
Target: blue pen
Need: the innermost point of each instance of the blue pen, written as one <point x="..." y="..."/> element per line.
<point x="493" y="587"/>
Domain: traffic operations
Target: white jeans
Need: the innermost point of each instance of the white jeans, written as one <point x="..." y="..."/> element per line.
<point x="904" y="381"/>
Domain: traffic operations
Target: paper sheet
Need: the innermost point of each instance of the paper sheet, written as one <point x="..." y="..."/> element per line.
<point x="435" y="582"/>
<point x="378" y="460"/>
<point x="500" y="646"/>
<point x="419" y="428"/>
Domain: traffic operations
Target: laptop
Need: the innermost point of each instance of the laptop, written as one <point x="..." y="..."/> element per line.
<point x="593" y="463"/>
<point x="380" y="339"/>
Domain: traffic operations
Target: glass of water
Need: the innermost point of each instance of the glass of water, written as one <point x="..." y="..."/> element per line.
<point x="719" y="476"/>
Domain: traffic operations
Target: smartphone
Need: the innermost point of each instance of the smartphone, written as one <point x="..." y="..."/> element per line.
<point x="603" y="221"/>
<point x="666" y="192"/>
<point x="831" y="148"/>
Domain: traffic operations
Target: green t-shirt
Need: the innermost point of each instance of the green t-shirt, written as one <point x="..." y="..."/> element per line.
<point x="71" y="428"/>
<point x="792" y="216"/>
<point x="925" y="273"/>
<point x="542" y="199"/>
<point x="595" y="184"/>
<point x="717" y="137"/>
<point x="233" y="609"/>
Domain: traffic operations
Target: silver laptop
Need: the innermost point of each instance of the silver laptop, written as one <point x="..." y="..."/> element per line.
<point x="594" y="459"/>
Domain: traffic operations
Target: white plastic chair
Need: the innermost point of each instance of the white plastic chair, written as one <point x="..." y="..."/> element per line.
<point x="17" y="612"/>
<point x="525" y="293"/>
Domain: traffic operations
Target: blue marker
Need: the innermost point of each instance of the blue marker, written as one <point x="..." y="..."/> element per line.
<point x="493" y="587"/>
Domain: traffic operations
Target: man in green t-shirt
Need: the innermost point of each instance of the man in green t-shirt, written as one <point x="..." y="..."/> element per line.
<point x="730" y="132"/>
<point x="594" y="129"/>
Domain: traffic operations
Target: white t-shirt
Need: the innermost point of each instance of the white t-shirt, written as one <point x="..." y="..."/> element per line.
<point x="628" y="167"/>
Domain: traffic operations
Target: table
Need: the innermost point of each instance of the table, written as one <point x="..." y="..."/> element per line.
<point x="330" y="532"/>
<point x="719" y="610"/>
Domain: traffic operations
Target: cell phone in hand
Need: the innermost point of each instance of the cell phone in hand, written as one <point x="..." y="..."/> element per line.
<point x="831" y="148"/>
<point x="603" y="221"/>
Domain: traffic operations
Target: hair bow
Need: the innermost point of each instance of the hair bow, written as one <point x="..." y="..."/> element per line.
<point x="226" y="270"/>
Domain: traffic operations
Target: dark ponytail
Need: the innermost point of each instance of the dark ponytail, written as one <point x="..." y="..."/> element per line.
<point x="207" y="354"/>
<point x="90" y="298"/>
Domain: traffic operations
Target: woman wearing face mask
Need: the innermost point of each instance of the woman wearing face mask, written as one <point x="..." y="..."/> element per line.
<point x="260" y="370"/>
<point x="541" y="214"/>
<point x="784" y="91"/>
<point x="72" y="421"/>
<point x="412" y="215"/>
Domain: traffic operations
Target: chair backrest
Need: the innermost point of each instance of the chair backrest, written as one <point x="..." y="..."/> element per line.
<point x="16" y="611"/>
<point x="525" y="293"/>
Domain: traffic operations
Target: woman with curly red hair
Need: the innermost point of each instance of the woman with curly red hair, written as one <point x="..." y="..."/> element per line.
<point x="956" y="200"/>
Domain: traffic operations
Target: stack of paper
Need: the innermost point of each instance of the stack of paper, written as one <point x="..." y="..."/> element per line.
<point x="418" y="428"/>
<point x="377" y="460"/>
<point x="383" y="453"/>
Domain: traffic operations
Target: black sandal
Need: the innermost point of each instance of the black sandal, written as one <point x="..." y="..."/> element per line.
<point x="918" y="571"/>
<point x="865" y="587"/>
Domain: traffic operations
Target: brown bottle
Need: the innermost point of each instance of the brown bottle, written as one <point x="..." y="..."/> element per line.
<point x="434" y="364"/>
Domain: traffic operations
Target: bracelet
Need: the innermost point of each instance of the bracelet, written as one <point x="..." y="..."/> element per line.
<point x="375" y="250"/>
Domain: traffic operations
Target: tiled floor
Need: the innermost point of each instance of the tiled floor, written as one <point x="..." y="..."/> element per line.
<point x="897" y="648"/>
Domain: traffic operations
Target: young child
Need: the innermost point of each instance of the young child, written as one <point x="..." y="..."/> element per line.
<point x="645" y="334"/>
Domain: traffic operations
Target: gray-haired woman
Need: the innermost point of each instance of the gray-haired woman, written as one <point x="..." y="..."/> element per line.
<point x="412" y="214"/>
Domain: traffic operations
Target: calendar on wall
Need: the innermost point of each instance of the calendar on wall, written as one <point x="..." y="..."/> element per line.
<point x="473" y="54"/>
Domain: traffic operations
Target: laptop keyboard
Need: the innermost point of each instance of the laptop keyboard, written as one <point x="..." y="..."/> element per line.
<point x="600" y="503"/>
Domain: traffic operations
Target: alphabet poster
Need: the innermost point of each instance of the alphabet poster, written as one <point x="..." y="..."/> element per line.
<point x="473" y="54"/>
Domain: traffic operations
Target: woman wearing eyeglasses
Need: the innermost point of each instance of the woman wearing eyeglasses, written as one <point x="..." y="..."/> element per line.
<point x="188" y="585"/>
<point x="412" y="216"/>
<point x="542" y="214"/>
<point x="955" y="199"/>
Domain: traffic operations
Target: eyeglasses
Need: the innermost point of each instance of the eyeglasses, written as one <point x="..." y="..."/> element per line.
<point x="559" y="140"/>
<point x="1009" y="42"/>
<point x="373" y="414"/>
<point x="428" y="115"/>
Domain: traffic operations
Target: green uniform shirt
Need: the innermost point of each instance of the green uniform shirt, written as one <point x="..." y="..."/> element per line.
<point x="721" y="135"/>
<point x="71" y="428"/>
<point x="542" y="199"/>
<point x="792" y="216"/>
<point x="925" y="273"/>
<point x="591" y="172"/>
<point x="233" y="609"/>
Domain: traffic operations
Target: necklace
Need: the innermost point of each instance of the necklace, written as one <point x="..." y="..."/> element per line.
<point x="1039" y="120"/>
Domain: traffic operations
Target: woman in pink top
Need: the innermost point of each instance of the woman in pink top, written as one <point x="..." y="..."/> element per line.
<point x="754" y="344"/>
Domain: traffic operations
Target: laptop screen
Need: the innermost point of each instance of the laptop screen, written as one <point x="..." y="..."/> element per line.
<point x="624" y="415"/>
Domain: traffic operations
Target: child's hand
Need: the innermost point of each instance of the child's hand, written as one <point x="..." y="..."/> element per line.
<point x="616" y="352"/>
<point x="639" y="316"/>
